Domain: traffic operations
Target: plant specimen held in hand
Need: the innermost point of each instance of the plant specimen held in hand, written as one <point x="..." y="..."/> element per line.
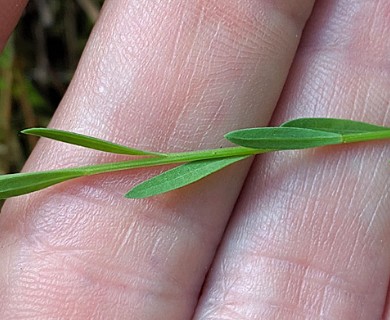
<point x="294" y="134"/>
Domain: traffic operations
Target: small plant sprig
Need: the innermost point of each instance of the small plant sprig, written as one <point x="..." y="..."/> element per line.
<point x="295" y="134"/>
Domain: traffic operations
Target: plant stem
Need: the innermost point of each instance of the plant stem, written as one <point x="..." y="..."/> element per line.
<point x="170" y="159"/>
<point x="366" y="136"/>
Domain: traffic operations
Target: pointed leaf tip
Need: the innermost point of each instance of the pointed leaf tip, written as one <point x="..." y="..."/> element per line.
<point x="87" y="141"/>
<point x="180" y="176"/>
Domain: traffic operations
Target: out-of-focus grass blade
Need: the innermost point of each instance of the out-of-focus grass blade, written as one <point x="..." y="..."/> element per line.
<point x="180" y="176"/>
<point x="16" y="184"/>
<point x="351" y="131"/>
<point x="283" y="138"/>
<point x="87" y="141"/>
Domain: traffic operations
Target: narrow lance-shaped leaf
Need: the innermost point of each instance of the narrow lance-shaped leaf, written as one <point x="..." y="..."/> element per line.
<point x="16" y="184"/>
<point x="351" y="131"/>
<point x="87" y="141"/>
<point x="179" y="177"/>
<point x="341" y="126"/>
<point x="282" y="138"/>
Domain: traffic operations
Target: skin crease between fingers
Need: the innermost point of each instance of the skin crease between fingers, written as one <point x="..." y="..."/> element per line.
<point x="167" y="76"/>
<point x="309" y="237"/>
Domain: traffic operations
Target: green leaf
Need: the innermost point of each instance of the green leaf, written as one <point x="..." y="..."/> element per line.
<point x="87" y="141"/>
<point x="179" y="177"/>
<point x="282" y="138"/>
<point x="341" y="126"/>
<point x="16" y="184"/>
<point x="351" y="131"/>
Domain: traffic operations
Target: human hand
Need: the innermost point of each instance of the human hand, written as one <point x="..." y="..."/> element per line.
<point x="305" y="237"/>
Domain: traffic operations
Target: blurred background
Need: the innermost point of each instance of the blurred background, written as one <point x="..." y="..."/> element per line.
<point x="35" y="69"/>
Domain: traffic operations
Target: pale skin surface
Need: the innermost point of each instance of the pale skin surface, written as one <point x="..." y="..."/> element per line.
<point x="9" y="15"/>
<point x="308" y="235"/>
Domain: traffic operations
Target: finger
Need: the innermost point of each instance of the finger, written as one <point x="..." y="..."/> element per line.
<point x="166" y="76"/>
<point x="9" y="15"/>
<point x="310" y="234"/>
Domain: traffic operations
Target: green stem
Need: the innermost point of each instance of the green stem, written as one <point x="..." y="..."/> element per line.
<point x="366" y="136"/>
<point x="170" y="159"/>
<point x="21" y="183"/>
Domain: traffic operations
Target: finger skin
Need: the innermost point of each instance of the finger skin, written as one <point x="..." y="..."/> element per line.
<point x="166" y="76"/>
<point x="310" y="234"/>
<point x="10" y="12"/>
